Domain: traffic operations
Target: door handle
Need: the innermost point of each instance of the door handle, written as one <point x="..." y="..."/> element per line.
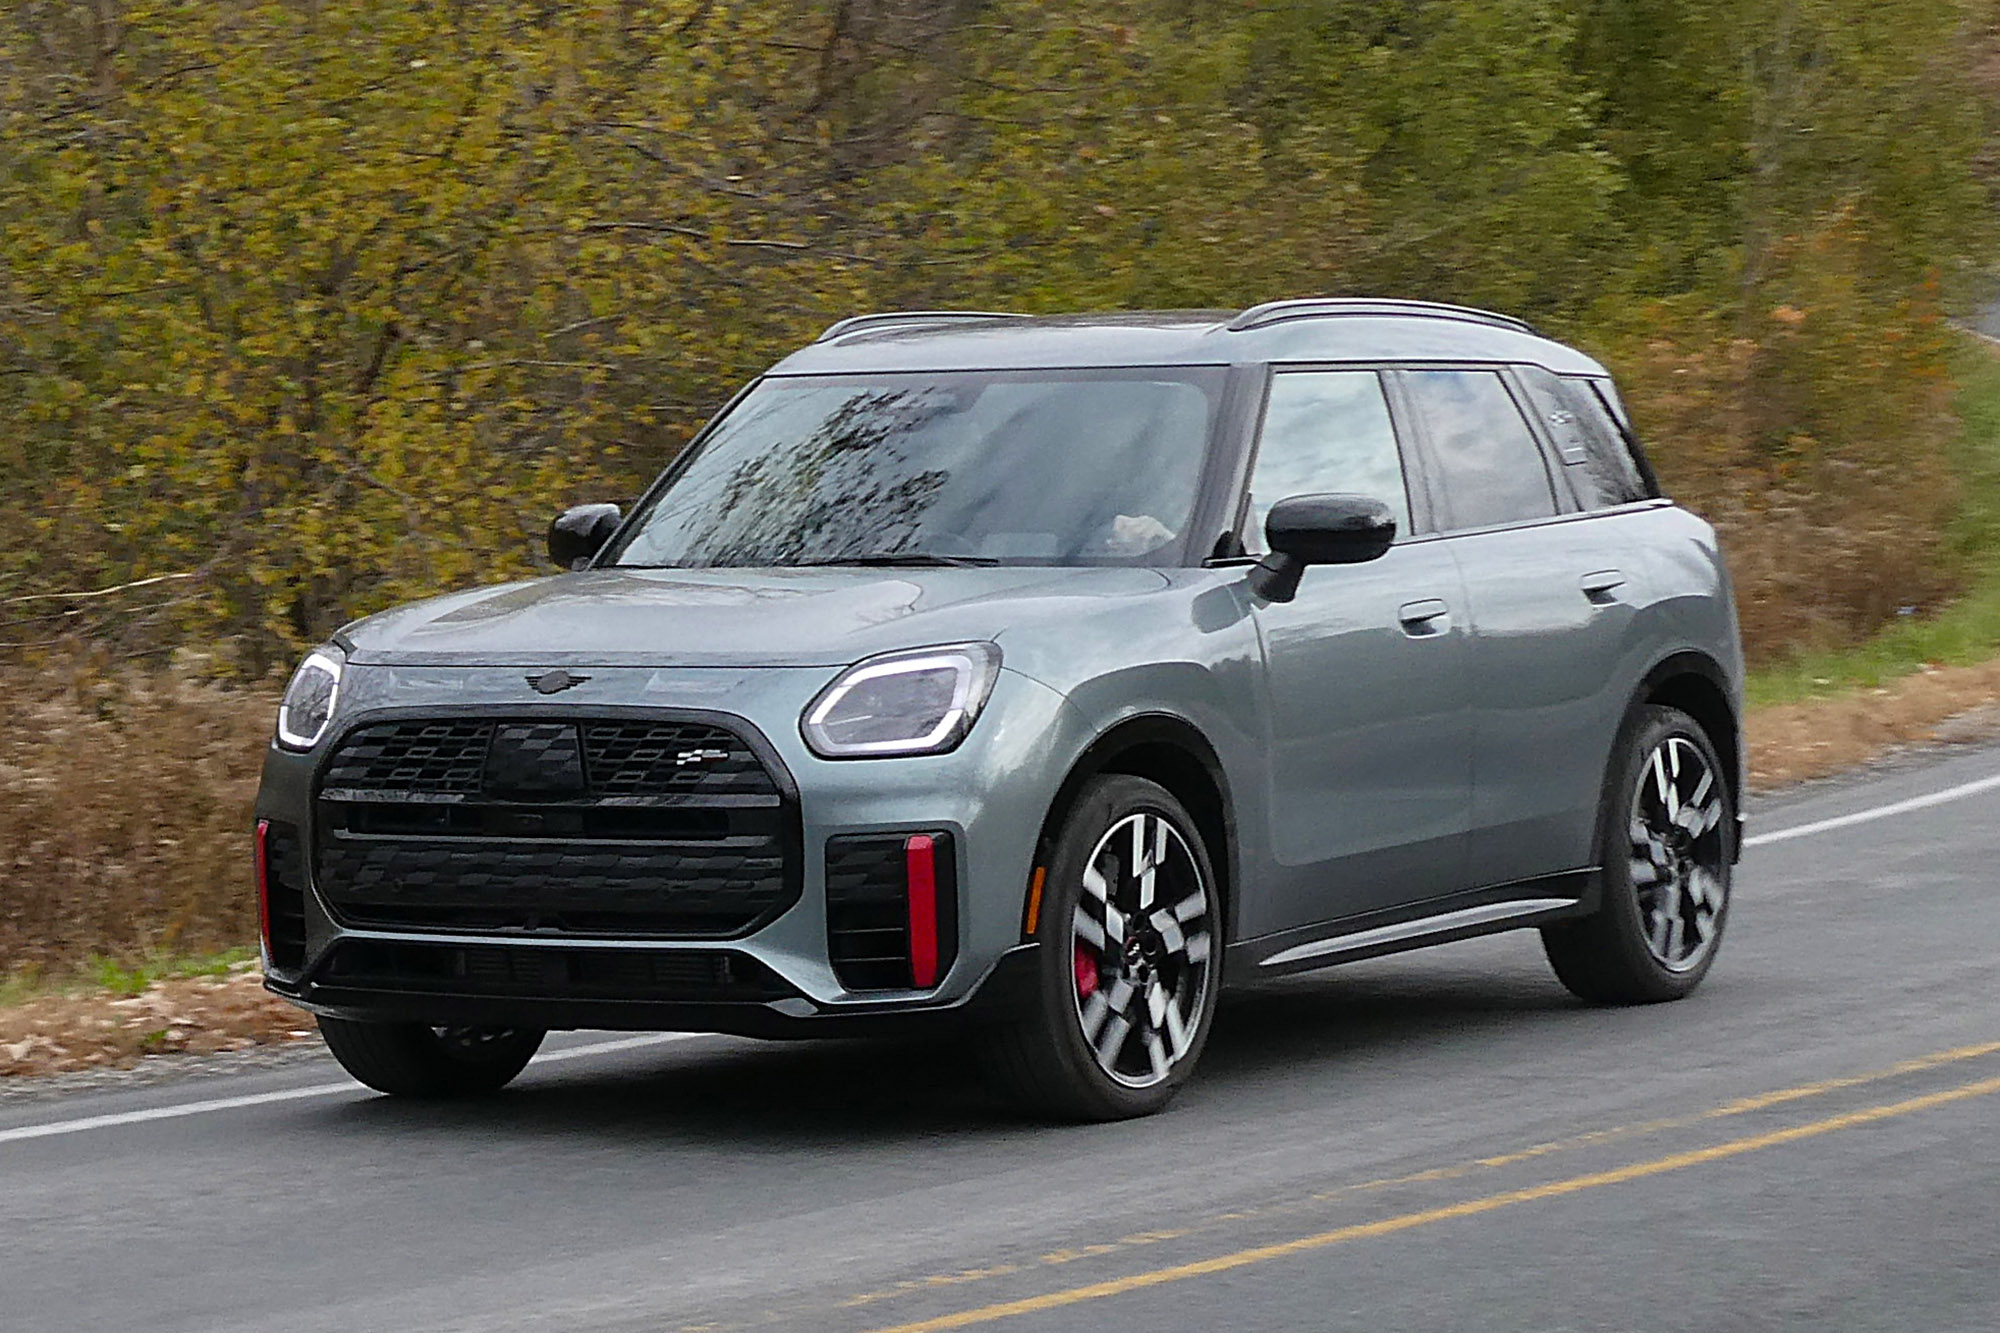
<point x="1602" y="586"/>
<point x="1424" y="620"/>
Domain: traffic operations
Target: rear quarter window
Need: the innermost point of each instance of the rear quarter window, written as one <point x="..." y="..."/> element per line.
<point x="1595" y="448"/>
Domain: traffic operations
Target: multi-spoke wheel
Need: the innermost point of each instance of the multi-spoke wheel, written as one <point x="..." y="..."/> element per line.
<point x="1141" y="950"/>
<point x="1129" y="928"/>
<point x="1667" y="825"/>
<point x="411" y="1060"/>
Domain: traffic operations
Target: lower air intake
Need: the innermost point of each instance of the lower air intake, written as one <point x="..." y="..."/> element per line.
<point x="891" y="910"/>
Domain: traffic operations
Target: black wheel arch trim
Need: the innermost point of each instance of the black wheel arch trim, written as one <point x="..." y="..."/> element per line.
<point x="1725" y="704"/>
<point x="1142" y="732"/>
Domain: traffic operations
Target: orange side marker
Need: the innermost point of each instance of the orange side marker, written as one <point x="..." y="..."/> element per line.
<point x="1035" y="898"/>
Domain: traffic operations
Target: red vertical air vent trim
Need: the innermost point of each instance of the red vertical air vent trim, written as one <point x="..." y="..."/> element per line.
<point x="920" y="865"/>
<point x="264" y="883"/>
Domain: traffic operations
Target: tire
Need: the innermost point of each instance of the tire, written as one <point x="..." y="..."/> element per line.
<point x="411" y="1060"/>
<point x="1155" y="970"/>
<point x="1666" y="830"/>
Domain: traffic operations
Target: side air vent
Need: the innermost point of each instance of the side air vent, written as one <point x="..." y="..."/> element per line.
<point x="281" y="893"/>
<point x="891" y="910"/>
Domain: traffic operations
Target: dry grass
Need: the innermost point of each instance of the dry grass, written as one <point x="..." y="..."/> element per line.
<point x="1814" y="738"/>
<point x="194" y="1015"/>
<point x="125" y="800"/>
<point x="125" y="804"/>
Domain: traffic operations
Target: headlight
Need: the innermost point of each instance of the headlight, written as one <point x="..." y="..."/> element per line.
<point x="920" y="702"/>
<point x="309" y="699"/>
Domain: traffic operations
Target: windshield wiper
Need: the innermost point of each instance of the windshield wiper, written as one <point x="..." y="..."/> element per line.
<point x="905" y="559"/>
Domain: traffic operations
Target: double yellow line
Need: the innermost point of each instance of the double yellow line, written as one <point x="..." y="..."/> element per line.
<point x="1259" y="1254"/>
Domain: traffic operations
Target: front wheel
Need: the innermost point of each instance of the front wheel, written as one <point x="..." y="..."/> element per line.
<point x="1666" y="849"/>
<point x="411" y="1060"/>
<point x="1130" y="958"/>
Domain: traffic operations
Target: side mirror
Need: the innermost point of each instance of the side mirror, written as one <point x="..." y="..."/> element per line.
<point x="580" y="533"/>
<point x="1319" y="530"/>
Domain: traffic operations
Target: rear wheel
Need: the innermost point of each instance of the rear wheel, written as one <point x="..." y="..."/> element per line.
<point x="1130" y="958"/>
<point x="411" y="1060"/>
<point x="1666" y="831"/>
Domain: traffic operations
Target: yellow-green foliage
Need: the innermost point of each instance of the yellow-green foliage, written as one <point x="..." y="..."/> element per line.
<point x="333" y="303"/>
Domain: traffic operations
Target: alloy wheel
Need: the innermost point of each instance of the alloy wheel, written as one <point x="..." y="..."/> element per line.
<point x="1143" y="949"/>
<point x="1680" y="854"/>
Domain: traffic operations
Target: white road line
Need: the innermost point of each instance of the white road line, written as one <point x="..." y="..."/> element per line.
<point x="1957" y="793"/>
<point x="183" y="1109"/>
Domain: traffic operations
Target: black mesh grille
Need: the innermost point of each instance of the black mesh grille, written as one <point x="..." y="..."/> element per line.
<point x="577" y="825"/>
<point x="653" y="758"/>
<point x="543" y="973"/>
<point x="868" y="910"/>
<point x="412" y="757"/>
<point x="285" y="867"/>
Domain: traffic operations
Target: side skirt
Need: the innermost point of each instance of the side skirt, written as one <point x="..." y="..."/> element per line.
<point x="1457" y="916"/>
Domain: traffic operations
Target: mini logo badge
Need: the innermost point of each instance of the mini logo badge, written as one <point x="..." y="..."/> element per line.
<point x="555" y="682"/>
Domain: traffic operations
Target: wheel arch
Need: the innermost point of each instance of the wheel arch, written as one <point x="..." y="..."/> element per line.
<point x="1173" y="752"/>
<point x="1697" y="685"/>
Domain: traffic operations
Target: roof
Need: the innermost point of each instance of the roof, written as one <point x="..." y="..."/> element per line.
<point x="1316" y="329"/>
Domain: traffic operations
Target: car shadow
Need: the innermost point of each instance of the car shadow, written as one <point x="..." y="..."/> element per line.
<point x="827" y="1093"/>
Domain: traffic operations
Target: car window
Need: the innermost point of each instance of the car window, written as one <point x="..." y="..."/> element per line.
<point x="1028" y="467"/>
<point x="1326" y="432"/>
<point x="1491" y="465"/>
<point x="1613" y="464"/>
<point x="1599" y="464"/>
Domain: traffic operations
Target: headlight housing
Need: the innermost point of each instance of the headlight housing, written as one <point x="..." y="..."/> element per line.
<point x="918" y="702"/>
<point x="307" y="708"/>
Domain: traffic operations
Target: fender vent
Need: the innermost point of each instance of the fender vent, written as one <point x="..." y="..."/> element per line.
<point x="891" y="910"/>
<point x="282" y="866"/>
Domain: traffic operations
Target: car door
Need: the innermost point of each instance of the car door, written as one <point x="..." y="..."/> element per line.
<point x="1366" y="674"/>
<point x="1551" y="598"/>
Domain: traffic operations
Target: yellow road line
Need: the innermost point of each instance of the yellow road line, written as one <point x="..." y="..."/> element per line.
<point x="1595" y="1138"/>
<point x="1469" y="1208"/>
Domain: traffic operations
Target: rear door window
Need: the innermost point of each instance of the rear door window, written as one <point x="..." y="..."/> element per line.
<point x="1597" y="460"/>
<point x="1490" y="462"/>
<point x="1326" y="432"/>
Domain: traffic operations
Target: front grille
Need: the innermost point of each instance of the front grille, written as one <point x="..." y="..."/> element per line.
<point x="528" y="972"/>
<point x="868" y="910"/>
<point x="572" y="825"/>
<point x="285" y="881"/>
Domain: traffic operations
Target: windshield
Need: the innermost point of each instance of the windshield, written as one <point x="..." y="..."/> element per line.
<point x="1034" y="467"/>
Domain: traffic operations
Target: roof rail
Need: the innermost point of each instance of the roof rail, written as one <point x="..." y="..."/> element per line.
<point x="1319" y="307"/>
<point x="889" y="318"/>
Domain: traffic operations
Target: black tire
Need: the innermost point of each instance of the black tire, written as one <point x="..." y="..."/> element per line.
<point x="411" y="1060"/>
<point x="1614" y="956"/>
<point x="1044" y="1058"/>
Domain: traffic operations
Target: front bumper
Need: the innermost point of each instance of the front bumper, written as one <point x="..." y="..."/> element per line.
<point x="990" y="797"/>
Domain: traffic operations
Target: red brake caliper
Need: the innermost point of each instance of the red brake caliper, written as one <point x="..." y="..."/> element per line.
<point x="1086" y="973"/>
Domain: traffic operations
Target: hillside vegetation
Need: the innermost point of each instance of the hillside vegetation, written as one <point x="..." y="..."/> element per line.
<point x="326" y="303"/>
<point x="308" y="306"/>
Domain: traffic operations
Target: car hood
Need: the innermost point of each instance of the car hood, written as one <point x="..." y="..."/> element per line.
<point x="728" y="618"/>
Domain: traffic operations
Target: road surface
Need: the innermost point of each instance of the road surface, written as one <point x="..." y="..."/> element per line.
<point x="1442" y="1140"/>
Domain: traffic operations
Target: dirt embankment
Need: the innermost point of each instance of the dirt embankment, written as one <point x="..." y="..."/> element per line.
<point x="192" y="1015"/>
<point x="192" y="740"/>
<point x="1816" y="738"/>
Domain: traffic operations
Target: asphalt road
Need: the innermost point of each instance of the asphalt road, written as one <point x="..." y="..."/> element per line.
<point x="1442" y="1140"/>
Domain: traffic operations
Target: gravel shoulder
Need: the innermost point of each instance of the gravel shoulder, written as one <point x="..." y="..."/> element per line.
<point x="190" y="1028"/>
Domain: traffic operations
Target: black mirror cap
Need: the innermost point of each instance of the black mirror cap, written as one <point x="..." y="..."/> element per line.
<point x="579" y="533"/>
<point x="1319" y="530"/>
<point x="1330" y="529"/>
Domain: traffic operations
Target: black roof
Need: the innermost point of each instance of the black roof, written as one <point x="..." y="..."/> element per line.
<point x="1313" y="329"/>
